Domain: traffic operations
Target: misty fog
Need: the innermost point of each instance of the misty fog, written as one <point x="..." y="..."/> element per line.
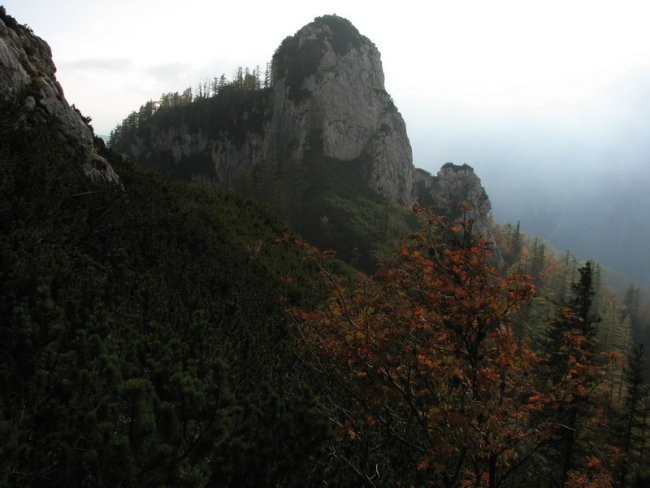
<point x="576" y="174"/>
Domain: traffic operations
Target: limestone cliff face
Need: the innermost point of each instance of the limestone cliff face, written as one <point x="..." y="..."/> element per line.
<point x="27" y="80"/>
<point x="326" y="104"/>
<point x="329" y="96"/>
<point x="200" y="154"/>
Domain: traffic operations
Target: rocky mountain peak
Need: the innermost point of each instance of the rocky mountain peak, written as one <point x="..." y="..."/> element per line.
<point x="28" y="84"/>
<point x="326" y="111"/>
<point x="329" y="97"/>
<point x="315" y="49"/>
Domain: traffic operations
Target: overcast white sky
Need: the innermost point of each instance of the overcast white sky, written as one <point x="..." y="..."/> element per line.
<point x="538" y="91"/>
<point x="486" y="61"/>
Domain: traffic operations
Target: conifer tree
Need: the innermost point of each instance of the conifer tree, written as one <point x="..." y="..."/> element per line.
<point x="571" y="366"/>
<point x="267" y="75"/>
<point x="537" y="262"/>
<point x="634" y="416"/>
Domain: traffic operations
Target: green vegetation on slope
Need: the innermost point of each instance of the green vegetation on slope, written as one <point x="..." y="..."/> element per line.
<point x="142" y="339"/>
<point x="330" y="204"/>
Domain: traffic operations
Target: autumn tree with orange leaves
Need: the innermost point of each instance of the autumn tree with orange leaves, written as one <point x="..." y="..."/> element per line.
<point x="428" y="384"/>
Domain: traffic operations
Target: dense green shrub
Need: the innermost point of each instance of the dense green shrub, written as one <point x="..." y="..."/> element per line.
<point x="142" y="342"/>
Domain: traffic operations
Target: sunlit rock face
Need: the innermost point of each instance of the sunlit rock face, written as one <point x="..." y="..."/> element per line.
<point x="28" y="85"/>
<point x="329" y="97"/>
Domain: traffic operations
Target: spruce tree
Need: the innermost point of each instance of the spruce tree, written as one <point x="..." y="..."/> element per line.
<point x="633" y="417"/>
<point x="569" y="348"/>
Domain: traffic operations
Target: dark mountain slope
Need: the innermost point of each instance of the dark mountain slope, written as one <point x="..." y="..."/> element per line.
<point x="142" y="340"/>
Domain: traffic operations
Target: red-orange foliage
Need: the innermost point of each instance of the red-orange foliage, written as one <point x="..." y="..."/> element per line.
<point x="428" y="362"/>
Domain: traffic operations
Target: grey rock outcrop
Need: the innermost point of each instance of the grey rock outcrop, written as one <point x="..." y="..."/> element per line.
<point x="326" y="103"/>
<point x="222" y="160"/>
<point x="456" y="191"/>
<point x="329" y="93"/>
<point x="27" y="79"/>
